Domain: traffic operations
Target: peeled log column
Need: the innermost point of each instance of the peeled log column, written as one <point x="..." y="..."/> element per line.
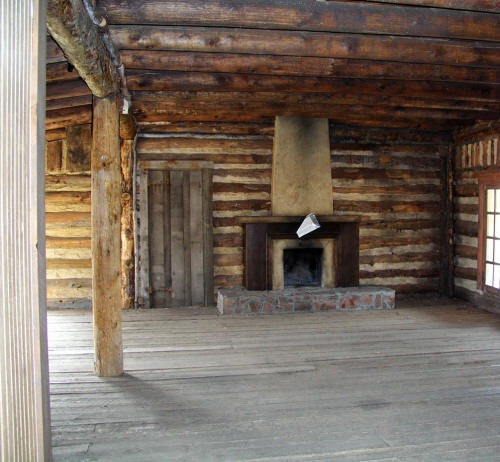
<point x="106" y="293"/>
<point x="127" y="133"/>
<point x="71" y="27"/>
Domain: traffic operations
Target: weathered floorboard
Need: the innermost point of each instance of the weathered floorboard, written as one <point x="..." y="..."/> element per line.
<point x="414" y="384"/>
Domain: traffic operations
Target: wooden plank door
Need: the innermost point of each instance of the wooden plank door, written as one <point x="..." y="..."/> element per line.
<point x="180" y="237"/>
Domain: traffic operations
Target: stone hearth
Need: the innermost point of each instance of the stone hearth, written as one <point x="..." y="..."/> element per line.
<point x="313" y="299"/>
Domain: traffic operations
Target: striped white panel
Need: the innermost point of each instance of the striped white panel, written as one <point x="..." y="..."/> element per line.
<point x="24" y="428"/>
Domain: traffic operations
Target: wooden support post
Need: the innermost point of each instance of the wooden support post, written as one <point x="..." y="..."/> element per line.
<point x="106" y="293"/>
<point x="127" y="135"/>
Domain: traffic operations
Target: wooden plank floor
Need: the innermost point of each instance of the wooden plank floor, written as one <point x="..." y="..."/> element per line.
<point x="421" y="383"/>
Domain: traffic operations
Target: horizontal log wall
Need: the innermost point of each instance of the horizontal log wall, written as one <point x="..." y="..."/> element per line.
<point x="390" y="177"/>
<point x="475" y="152"/>
<point x="67" y="183"/>
<point x="67" y="202"/>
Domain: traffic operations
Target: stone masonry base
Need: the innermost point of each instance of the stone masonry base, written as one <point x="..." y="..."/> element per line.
<point x="242" y="301"/>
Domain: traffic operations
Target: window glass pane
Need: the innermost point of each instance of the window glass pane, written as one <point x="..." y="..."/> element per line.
<point x="497" y="251"/>
<point x="496" y="277"/>
<point x="497" y="225"/>
<point x="490" y="200"/>
<point x="489" y="224"/>
<point x="489" y="249"/>
<point x="497" y="201"/>
<point x="489" y="275"/>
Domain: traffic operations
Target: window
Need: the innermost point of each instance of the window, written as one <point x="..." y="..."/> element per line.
<point x="489" y="233"/>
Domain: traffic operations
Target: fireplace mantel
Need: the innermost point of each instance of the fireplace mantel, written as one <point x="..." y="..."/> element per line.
<point x="260" y="232"/>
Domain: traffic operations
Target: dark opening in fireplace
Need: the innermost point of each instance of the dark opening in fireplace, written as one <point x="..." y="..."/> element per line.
<point x="302" y="267"/>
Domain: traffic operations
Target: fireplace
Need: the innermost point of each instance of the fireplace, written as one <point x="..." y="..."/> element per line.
<point x="268" y="238"/>
<point x="302" y="267"/>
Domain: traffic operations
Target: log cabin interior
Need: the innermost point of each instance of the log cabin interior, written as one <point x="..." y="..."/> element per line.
<point x="163" y="156"/>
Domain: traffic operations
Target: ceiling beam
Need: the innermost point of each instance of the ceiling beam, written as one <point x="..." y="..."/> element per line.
<point x="351" y="17"/>
<point x="491" y="6"/>
<point x="299" y="43"/>
<point x="301" y="66"/>
<point x="201" y="81"/>
<point x="74" y="31"/>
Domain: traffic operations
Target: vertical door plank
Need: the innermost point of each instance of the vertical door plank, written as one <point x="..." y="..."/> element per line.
<point x="196" y="238"/>
<point x="208" y="260"/>
<point x="177" y="235"/>
<point x="166" y="240"/>
<point x="156" y="243"/>
<point x="187" y="239"/>
<point x="143" y="289"/>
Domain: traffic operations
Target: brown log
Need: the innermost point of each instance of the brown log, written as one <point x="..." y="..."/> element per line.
<point x="55" y="134"/>
<point x="127" y="222"/>
<point x="240" y="188"/>
<point x="70" y="89"/>
<point x="491" y="6"/>
<point x="200" y="81"/>
<point x="376" y="242"/>
<point x="53" y="156"/>
<point x="395" y="258"/>
<point x="390" y="189"/>
<point x="74" y="183"/>
<point x="154" y="99"/>
<point x="57" y="263"/>
<point x="466" y="273"/>
<point x="204" y="145"/>
<point x="227" y="128"/>
<point x="78" y="143"/>
<point x="216" y="158"/>
<point x="54" y="53"/>
<point x="466" y="251"/>
<point x="233" y="259"/>
<point x="400" y="225"/>
<point x="128" y="128"/>
<point x="298" y="43"/>
<point x="409" y="273"/>
<point x="68" y="116"/>
<point x="342" y="133"/>
<point x="358" y="17"/>
<point x="68" y="218"/>
<point x="67" y="243"/>
<point x="386" y="206"/>
<point x="472" y="209"/>
<point x="378" y="173"/>
<point x="106" y="293"/>
<point x="228" y="240"/>
<point x="466" y="190"/>
<point x="242" y="205"/>
<point x="59" y="72"/>
<point x="466" y="228"/>
<point x="74" y="31"/>
<point x="180" y="114"/>
<point x="477" y="131"/>
<point x="228" y="281"/>
<point x="61" y="103"/>
<point x="301" y="66"/>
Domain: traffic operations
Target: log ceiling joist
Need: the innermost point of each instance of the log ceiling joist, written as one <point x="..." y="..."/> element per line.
<point x="74" y="31"/>
<point x="200" y="81"/>
<point x="491" y="6"/>
<point x="313" y="44"/>
<point x="351" y="17"/>
<point x="238" y="63"/>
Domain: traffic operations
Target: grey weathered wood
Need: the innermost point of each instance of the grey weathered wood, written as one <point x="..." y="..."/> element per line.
<point x="144" y="284"/>
<point x="156" y="209"/>
<point x="196" y="237"/>
<point x="166" y="236"/>
<point x="186" y="219"/>
<point x="203" y="387"/>
<point x="208" y="260"/>
<point x="177" y="236"/>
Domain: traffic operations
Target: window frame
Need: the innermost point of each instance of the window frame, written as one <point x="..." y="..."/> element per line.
<point x="487" y="180"/>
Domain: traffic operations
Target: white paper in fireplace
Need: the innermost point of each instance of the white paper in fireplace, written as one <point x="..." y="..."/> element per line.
<point x="309" y="224"/>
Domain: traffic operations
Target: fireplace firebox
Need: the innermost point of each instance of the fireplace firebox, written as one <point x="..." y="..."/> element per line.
<point x="266" y="236"/>
<point x="302" y="267"/>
